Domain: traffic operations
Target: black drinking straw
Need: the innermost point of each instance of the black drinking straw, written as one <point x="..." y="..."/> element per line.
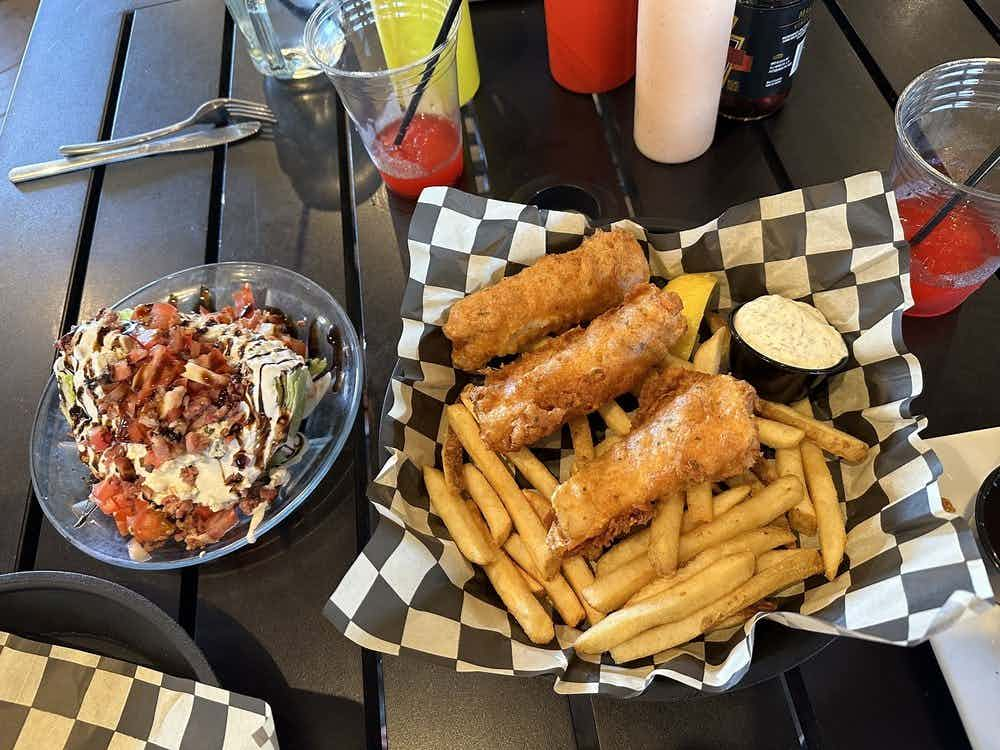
<point x="974" y="179"/>
<point x="411" y="108"/>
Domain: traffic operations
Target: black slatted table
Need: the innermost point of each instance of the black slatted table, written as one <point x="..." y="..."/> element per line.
<point x="307" y="197"/>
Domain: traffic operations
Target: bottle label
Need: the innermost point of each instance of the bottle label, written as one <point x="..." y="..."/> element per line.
<point x="765" y="48"/>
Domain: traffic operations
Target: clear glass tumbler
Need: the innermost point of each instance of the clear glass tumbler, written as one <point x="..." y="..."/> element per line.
<point x="947" y="126"/>
<point x="349" y="40"/>
<point x="273" y="30"/>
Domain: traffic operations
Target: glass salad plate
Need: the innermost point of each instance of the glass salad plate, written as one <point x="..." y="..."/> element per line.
<point x="62" y="482"/>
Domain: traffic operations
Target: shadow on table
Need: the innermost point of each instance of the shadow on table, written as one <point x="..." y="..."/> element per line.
<point x="303" y="718"/>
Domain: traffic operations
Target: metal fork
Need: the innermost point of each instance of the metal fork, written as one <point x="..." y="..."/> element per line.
<point x="218" y="111"/>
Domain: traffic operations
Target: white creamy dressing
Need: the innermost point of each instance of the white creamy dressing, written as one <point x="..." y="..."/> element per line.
<point x="792" y="333"/>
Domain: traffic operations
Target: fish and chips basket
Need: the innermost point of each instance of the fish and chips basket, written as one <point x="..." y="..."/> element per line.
<point x="911" y="568"/>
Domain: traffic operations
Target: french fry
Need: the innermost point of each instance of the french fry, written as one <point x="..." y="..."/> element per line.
<point x="519" y="600"/>
<point x="778" y="435"/>
<point x="451" y="462"/>
<point x="615" y="418"/>
<point x="488" y="502"/>
<point x="789" y="463"/>
<point x="829" y="521"/>
<point x="605" y="445"/>
<point x="534" y="586"/>
<point x="607" y="593"/>
<point x="711" y="354"/>
<point x="702" y="589"/>
<point x="474" y="545"/>
<point x="699" y="503"/>
<point x="772" y="557"/>
<point x="534" y="471"/>
<point x="542" y="507"/>
<point x="733" y="621"/>
<point x="579" y="575"/>
<point x="765" y="470"/>
<point x="825" y="436"/>
<point x="624" y="550"/>
<point x="610" y="591"/>
<point x="761" y="585"/>
<point x="665" y="533"/>
<point x="757" y="541"/>
<point x="558" y="590"/>
<point x="583" y="440"/>
<point x="720" y="504"/>
<point x="496" y="473"/>
<point x="781" y="522"/>
<point x="752" y="513"/>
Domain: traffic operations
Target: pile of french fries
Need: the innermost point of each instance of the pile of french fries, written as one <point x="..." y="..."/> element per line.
<point x="710" y="559"/>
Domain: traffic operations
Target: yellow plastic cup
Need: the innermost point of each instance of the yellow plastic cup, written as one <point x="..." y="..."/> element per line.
<point x="407" y="34"/>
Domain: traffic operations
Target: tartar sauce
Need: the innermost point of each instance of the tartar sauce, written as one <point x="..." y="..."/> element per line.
<point x="792" y="333"/>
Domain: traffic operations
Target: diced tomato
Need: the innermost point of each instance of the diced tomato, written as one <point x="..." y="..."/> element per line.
<point x="105" y="491"/>
<point x="122" y="371"/>
<point x="149" y="524"/>
<point x="163" y="315"/>
<point x="243" y="301"/>
<point x="100" y="438"/>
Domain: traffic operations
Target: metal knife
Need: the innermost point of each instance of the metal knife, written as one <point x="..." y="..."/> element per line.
<point x="189" y="142"/>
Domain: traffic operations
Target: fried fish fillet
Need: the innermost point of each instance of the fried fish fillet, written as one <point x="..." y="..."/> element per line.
<point x="557" y="292"/>
<point x="579" y="371"/>
<point x="692" y="428"/>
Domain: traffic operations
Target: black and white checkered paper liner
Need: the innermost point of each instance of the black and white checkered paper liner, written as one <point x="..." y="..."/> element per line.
<point x="912" y="567"/>
<point x="58" y="698"/>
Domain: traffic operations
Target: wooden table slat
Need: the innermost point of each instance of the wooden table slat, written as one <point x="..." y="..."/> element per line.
<point x="908" y="37"/>
<point x="41" y="220"/>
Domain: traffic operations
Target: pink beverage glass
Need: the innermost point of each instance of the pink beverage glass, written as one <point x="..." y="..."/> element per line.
<point x="947" y="125"/>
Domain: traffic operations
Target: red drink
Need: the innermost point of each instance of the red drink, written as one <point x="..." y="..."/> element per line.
<point x="953" y="261"/>
<point x="430" y="154"/>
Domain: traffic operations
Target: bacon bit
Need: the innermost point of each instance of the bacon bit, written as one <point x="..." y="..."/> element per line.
<point x="137" y="355"/>
<point x="299" y="347"/>
<point x="189" y="474"/>
<point x="115" y="395"/>
<point x="267" y="494"/>
<point x="122" y="371"/>
<point x="161" y="448"/>
<point x="196" y="442"/>
<point x="947" y="505"/>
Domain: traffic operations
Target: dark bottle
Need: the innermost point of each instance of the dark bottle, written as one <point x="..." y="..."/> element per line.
<point x="764" y="52"/>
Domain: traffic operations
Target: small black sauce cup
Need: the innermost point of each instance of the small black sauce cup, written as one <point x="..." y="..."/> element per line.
<point x="771" y="379"/>
<point x="987" y="519"/>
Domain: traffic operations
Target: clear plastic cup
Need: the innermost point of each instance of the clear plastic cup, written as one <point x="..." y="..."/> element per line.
<point x="947" y="124"/>
<point x="348" y="40"/>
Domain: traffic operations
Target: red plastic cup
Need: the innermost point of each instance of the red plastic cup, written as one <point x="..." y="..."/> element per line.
<point x="591" y="43"/>
<point x="947" y="123"/>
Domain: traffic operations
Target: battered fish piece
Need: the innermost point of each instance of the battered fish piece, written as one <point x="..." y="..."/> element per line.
<point x="692" y="428"/>
<point x="557" y="292"/>
<point x="526" y="400"/>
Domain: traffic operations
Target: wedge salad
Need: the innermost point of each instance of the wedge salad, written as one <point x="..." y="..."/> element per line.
<point x="187" y="419"/>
